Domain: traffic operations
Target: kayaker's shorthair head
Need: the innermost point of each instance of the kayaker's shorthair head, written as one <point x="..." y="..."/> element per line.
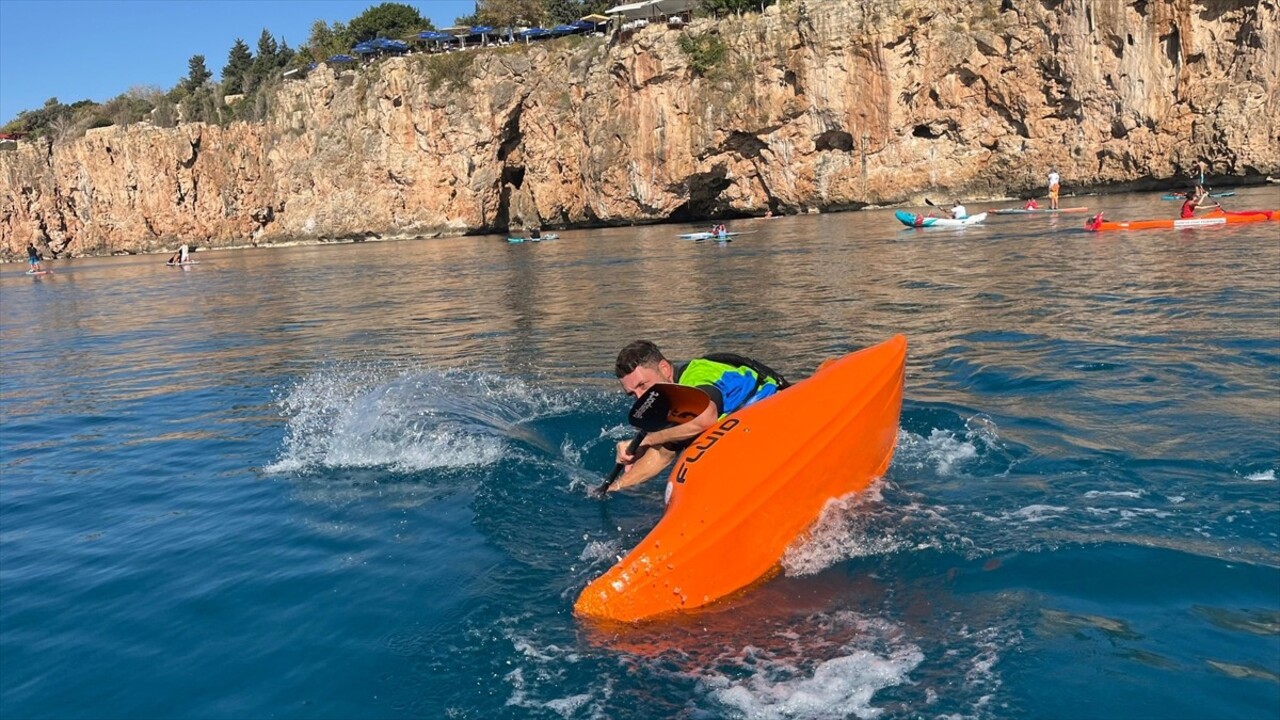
<point x="636" y="354"/>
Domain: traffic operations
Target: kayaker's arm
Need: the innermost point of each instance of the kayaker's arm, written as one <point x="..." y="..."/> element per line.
<point x="683" y="431"/>
<point x="650" y="463"/>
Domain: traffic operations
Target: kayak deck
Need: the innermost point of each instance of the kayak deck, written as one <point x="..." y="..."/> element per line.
<point x="743" y="491"/>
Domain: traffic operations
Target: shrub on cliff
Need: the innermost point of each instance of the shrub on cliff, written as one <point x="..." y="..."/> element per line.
<point x="453" y="67"/>
<point x="733" y="7"/>
<point x="704" y="51"/>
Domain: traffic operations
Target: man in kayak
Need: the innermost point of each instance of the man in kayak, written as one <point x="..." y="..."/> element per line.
<point x="959" y="212"/>
<point x="1054" y="181"/>
<point x="731" y="381"/>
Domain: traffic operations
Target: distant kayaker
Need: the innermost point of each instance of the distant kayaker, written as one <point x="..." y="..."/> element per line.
<point x="958" y="211"/>
<point x="33" y="258"/>
<point x="1054" y="182"/>
<point x="535" y="234"/>
<point x="731" y="381"/>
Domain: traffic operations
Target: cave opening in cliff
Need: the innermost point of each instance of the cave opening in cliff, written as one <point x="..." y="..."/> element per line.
<point x="704" y="190"/>
<point x="927" y="132"/>
<point x="834" y="140"/>
<point x="513" y="176"/>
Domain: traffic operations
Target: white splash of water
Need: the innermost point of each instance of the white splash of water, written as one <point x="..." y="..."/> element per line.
<point x="839" y="534"/>
<point x="1263" y="476"/>
<point x="790" y="685"/>
<point x="945" y="450"/>
<point x="407" y="420"/>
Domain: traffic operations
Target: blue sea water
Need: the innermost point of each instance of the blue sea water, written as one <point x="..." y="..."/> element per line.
<point x="351" y="481"/>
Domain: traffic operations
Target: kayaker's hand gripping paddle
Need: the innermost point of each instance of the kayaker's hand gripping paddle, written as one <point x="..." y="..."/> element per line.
<point x="661" y="406"/>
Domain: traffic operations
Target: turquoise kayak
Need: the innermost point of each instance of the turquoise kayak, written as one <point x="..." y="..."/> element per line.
<point x="548" y="236"/>
<point x="923" y="221"/>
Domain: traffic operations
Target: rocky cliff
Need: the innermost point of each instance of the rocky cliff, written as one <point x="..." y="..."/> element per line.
<point x="816" y="104"/>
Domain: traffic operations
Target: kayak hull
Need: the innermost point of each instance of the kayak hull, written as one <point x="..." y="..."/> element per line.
<point x="1223" y="218"/>
<point x="923" y="221"/>
<point x="749" y="486"/>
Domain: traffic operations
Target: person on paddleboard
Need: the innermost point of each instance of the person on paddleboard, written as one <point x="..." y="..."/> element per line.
<point x="33" y="258"/>
<point x="1031" y="205"/>
<point x="731" y="381"/>
<point x="1054" y="181"/>
<point x="183" y="255"/>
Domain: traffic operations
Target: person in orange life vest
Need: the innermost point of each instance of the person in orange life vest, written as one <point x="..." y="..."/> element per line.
<point x="731" y="381"/>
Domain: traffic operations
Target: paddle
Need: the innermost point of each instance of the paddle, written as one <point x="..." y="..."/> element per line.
<point x="662" y="405"/>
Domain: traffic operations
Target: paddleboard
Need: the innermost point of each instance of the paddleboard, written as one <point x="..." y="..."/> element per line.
<point x="1024" y="211"/>
<point x="1183" y="196"/>
<point x="39" y="272"/>
<point x="708" y="236"/>
<point x="179" y="264"/>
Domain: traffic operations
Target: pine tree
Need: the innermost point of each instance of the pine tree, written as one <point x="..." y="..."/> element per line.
<point x="265" y="63"/>
<point x="239" y="62"/>
<point x="197" y="74"/>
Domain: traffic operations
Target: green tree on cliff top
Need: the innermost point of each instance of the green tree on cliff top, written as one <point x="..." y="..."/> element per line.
<point x="238" y="63"/>
<point x="197" y="74"/>
<point x="324" y="41"/>
<point x="389" y="20"/>
<point x="504" y="13"/>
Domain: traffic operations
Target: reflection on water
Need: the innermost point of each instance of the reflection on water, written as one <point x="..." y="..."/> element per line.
<point x="381" y="451"/>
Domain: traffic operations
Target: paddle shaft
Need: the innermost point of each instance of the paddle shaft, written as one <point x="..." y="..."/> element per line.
<point x="617" y="469"/>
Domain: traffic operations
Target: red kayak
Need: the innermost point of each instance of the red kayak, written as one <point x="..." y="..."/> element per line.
<point x="1096" y="223"/>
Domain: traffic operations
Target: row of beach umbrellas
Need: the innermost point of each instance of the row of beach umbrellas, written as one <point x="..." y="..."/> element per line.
<point x="383" y="45"/>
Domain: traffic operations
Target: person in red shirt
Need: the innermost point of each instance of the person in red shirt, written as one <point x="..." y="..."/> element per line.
<point x="1195" y="197"/>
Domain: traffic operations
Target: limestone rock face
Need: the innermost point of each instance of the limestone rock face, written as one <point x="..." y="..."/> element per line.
<point x="815" y="104"/>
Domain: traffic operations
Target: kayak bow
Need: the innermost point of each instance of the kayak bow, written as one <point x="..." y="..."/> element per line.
<point x="746" y="488"/>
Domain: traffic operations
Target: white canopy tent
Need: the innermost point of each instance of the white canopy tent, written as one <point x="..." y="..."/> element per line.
<point x="650" y="9"/>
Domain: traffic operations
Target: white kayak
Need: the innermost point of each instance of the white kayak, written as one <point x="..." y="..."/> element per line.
<point x="923" y="221"/>
<point x="709" y="236"/>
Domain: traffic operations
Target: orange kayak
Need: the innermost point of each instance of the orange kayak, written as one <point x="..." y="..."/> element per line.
<point x="745" y="489"/>
<point x="1096" y="224"/>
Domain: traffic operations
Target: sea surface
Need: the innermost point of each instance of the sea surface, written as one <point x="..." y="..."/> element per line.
<point x="351" y="481"/>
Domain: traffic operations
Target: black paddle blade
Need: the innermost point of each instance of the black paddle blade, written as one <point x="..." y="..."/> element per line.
<point x="667" y="404"/>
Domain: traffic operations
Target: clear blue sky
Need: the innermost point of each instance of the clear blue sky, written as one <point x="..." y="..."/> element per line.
<point x="97" y="49"/>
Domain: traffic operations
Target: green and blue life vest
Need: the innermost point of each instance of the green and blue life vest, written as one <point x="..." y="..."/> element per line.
<point x="732" y="381"/>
